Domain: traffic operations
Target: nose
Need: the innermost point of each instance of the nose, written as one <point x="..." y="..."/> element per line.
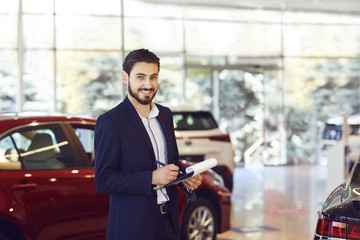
<point x="147" y="83"/>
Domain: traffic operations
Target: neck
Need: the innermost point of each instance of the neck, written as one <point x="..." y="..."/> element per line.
<point x="143" y="110"/>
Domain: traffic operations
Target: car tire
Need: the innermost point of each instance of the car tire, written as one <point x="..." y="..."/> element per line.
<point x="199" y="221"/>
<point x="9" y="232"/>
<point x="5" y="237"/>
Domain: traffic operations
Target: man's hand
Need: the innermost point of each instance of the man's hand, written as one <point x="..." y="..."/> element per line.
<point x="193" y="183"/>
<point x="164" y="175"/>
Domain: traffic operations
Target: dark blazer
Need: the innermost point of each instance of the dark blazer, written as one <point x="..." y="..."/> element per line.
<point x="124" y="162"/>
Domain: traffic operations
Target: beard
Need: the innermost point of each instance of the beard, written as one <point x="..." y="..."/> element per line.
<point x="135" y="94"/>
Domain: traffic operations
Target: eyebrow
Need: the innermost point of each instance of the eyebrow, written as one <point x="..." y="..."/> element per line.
<point x="143" y="74"/>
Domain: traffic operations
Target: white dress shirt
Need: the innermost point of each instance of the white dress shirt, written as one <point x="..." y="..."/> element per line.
<point x="157" y="138"/>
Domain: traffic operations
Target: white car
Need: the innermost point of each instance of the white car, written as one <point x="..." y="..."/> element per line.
<point x="199" y="137"/>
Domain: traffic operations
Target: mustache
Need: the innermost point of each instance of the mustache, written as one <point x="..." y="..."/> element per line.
<point x="147" y="89"/>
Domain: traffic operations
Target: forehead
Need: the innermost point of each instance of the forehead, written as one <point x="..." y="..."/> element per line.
<point x="145" y="68"/>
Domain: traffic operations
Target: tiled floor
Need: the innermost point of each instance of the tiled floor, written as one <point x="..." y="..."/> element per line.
<point x="276" y="203"/>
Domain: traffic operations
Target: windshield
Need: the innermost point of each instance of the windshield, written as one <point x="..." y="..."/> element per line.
<point x="194" y="121"/>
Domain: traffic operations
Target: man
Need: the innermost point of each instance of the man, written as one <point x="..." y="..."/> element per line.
<point x="135" y="151"/>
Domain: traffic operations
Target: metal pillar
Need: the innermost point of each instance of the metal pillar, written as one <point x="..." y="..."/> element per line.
<point x="20" y="53"/>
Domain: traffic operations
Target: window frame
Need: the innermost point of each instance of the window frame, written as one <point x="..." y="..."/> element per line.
<point x="75" y="145"/>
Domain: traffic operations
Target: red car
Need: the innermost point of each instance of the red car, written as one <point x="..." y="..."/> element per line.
<point x="47" y="186"/>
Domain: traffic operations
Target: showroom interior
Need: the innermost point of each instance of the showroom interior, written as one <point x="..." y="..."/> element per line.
<point x="275" y="75"/>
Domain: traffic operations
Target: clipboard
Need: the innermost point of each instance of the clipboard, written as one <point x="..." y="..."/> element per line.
<point x="191" y="171"/>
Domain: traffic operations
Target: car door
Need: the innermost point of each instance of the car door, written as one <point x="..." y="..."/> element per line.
<point x="49" y="186"/>
<point x="84" y="133"/>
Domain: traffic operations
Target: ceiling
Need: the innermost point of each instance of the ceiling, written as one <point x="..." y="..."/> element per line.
<point x="333" y="6"/>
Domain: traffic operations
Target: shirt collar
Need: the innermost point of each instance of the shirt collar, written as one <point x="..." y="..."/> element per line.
<point x="154" y="111"/>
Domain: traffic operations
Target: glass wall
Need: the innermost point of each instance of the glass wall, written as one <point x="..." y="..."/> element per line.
<point x="8" y="55"/>
<point x="271" y="78"/>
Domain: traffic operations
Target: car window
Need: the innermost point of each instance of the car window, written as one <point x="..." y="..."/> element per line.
<point x="332" y="132"/>
<point x="9" y="158"/>
<point x="86" y="137"/>
<point x="44" y="147"/>
<point x="194" y="121"/>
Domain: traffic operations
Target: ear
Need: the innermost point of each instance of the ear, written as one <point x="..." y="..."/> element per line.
<point x="125" y="77"/>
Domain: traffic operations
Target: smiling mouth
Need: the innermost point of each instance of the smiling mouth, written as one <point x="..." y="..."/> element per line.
<point x="146" y="90"/>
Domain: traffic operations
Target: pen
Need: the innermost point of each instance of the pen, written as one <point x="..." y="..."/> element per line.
<point x="163" y="164"/>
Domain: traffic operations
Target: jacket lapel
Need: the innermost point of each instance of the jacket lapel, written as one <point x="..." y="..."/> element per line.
<point x="138" y="124"/>
<point x="164" y="126"/>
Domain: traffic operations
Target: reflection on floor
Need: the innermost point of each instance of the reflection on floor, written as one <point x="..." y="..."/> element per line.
<point x="276" y="203"/>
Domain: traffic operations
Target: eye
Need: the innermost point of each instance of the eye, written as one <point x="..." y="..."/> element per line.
<point x="140" y="77"/>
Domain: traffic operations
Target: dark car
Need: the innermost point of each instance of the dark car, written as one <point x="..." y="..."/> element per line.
<point x="47" y="186"/>
<point x="339" y="217"/>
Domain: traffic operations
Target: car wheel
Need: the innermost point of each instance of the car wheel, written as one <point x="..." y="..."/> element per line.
<point x="4" y="237"/>
<point x="9" y="232"/>
<point x="199" y="221"/>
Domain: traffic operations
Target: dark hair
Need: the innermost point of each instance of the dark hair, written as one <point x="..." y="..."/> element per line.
<point x="139" y="55"/>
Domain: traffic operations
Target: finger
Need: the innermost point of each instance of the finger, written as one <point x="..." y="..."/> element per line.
<point x="190" y="185"/>
<point x="197" y="178"/>
<point x="192" y="181"/>
<point x="173" y="167"/>
<point x="171" y="178"/>
<point x="186" y="185"/>
<point x="173" y="173"/>
<point x="197" y="182"/>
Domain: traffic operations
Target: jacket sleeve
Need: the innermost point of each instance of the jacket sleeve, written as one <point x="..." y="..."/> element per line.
<point x="108" y="159"/>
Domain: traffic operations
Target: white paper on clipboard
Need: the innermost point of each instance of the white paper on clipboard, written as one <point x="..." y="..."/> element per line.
<point x="193" y="170"/>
